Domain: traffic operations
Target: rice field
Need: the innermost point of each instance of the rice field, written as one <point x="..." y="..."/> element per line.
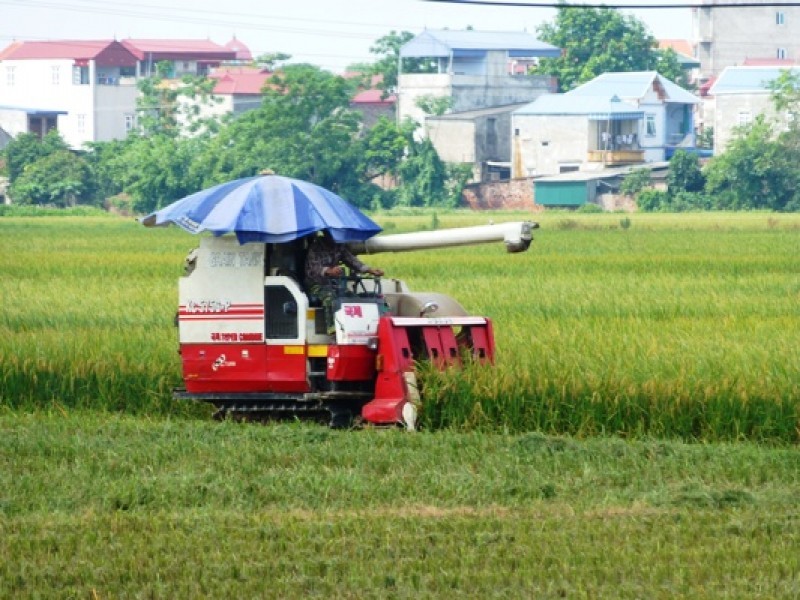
<point x="673" y="326"/>
<point x="637" y="439"/>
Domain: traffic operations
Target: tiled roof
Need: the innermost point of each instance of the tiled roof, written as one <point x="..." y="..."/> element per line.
<point x="373" y="97"/>
<point x="234" y="81"/>
<point x="166" y="49"/>
<point x="242" y="51"/>
<point x="75" y="49"/>
<point x="680" y="46"/>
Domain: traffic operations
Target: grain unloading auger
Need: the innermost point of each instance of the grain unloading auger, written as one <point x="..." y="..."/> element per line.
<point x="254" y="343"/>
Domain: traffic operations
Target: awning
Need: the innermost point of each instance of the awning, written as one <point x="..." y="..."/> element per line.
<point x="617" y="116"/>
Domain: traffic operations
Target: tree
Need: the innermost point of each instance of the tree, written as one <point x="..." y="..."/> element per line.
<point x="27" y="148"/>
<point x="304" y="128"/>
<point x="599" y="40"/>
<point x="388" y="49"/>
<point x="684" y="173"/>
<point x="635" y="181"/>
<point x="755" y="171"/>
<point x="174" y="107"/>
<point x="59" y="179"/>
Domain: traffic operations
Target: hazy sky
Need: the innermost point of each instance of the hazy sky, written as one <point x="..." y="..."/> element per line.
<point x="328" y="33"/>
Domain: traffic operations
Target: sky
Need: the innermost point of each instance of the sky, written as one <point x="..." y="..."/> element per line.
<point x="326" y="33"/>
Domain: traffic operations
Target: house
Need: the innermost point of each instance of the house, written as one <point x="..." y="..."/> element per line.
<point x="87" y="88"/>
<point x="475" y="69"/>
<point x="186" y="57"/>
<point x="480" y="138"/>
<point x="739" y="95"/>
<point x="237" y="89"/>
<point x="684" y="51"/>
<point x="373" y="104"/>
<point x="615" y="119"/>
<point x="727" y="35"/>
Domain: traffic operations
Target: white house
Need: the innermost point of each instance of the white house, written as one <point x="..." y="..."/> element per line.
<point x="87" y="88"/>
<point x="615" y="119"/>
<point x="739" y="95"/>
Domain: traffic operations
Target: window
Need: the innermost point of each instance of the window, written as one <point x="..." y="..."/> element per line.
<point x="81" y="123"/>
<point x="130" y="122"/>
<point x="650" y="125"/>
<point x="781" y="53"/>
<point x="780" y="18"/>
<point x="55" y="75"/>
<point x="80" y="75"/>
<point x="10" y="76"/>
<point x="745" y="117"/>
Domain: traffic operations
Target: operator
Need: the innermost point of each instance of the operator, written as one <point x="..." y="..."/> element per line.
<point x="324" y="260"/>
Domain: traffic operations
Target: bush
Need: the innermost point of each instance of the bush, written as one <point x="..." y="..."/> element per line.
<point x="651" y="200"/>
<point x="590" y="208"/>
<point x="635" y="181"/>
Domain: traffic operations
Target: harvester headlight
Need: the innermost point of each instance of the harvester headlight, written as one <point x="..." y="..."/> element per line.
<point x="372" y="343"/>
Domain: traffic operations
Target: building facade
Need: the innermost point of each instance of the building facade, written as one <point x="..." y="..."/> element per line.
<point x="728" y="35"/>
<point x="87" y="89"/>
<point x="616" y="119"/>
<point x="474" y="69"/>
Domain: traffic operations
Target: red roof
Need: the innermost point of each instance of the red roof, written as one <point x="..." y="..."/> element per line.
<point x="373" y="97"/>
<point x="178" y="50"/>
<point x="680" y="46"/>
<point x="242" y="51"/>
<point x="240" y="80"/>
<point x="109" y="52"/>
<point x="9" y="50"/>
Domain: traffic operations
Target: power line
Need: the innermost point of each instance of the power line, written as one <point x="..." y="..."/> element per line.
<point x="662" y="6"/>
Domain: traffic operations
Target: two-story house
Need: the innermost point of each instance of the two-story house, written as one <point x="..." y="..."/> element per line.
<point x="474" y="69"/>
<point x="87" y="88"/>
<point x="739" y="95"/>
<point x="615" y="119"/>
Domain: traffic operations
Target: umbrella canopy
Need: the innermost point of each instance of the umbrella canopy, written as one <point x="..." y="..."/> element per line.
<point x="267" y="208"/>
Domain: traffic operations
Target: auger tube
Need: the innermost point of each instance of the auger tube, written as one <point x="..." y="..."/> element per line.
<point x="516" y="235"/>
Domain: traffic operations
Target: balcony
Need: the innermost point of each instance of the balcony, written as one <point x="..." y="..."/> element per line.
<point x="616" y="157"/>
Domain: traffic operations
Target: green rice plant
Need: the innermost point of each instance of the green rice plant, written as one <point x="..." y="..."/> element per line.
<point x="680" y="326"/>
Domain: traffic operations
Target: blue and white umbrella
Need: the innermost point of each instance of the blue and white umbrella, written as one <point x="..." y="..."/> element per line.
<point x="267" y="208"/>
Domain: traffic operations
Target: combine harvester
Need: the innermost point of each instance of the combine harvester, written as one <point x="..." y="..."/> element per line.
<point x="256" y="345"/>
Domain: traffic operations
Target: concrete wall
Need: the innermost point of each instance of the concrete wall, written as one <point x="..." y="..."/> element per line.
<point x="93" y="111"/>
<point x="727" y="36"/>
<point x="470" y="90"/>
<point x="515" y="194"/>
<point x="732" y="110"/>
<point x="540" y="144"/>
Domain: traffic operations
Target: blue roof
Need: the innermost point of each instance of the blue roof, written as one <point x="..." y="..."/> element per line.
<point x="633" y="86"/>
<point x="747" y="80"/>
<point x="611" y="96"/>
<point x="595" y="107"/>
<point x="34" y="111"/>
<point x="444" y="42"/>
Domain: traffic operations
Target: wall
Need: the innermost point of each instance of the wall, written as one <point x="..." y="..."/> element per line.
<point x="726" y="36"/>
<point x="727" y="110"/>
<point x="545" y="142"/>
<point x="515" y="194"/>
<point x="470" y="91"/>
